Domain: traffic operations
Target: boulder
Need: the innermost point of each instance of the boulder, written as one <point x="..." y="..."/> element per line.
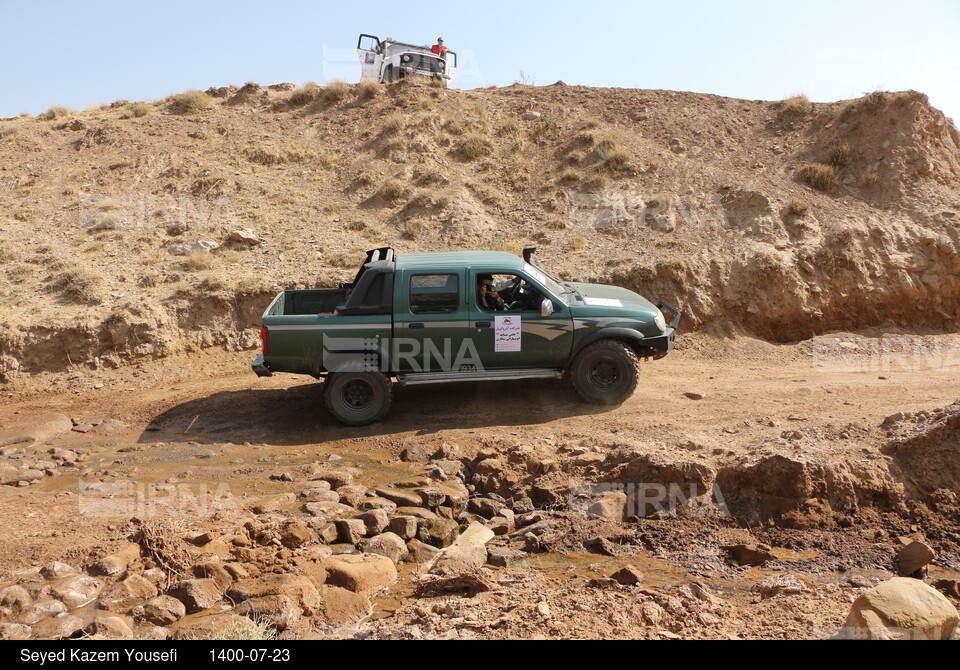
<point x="440" y="533"/>
<point x="57" y="570"/>
<point x="375" y="520"/>
<point x="421" y="553"/>
<point x="390" y="545"/>
<point x="901" y="609"/>
<point x="110" y="626"/>
<point x="117" y="562"/>
<point x="915" y="557"/>
<point x="340" y="607"/>
<point x="627" y="576"/>
<point x="41" y="610"/>
<point x="164" y="610"/>
<point x="361" y="573"/>
<point x="78" y="590"/>
<point x="295" y="534"/>
<point x="351" y="531"/>
<point x="404" y="526"/>
<point x="196" y="594"/>
<point x="467" y="553"/>
<point x="745" y="554"/>
<point x="15" y="596"/>
<point x="400" y="497"/>
<point x="59" y="628"/>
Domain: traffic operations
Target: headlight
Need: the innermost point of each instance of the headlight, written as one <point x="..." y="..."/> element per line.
<point x="405" y="58"/>
<point x="661" y="322"/>
<point x="440" y="64"/>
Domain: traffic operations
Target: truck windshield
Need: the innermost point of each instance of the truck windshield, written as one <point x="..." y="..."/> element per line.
<point x="551" y="284"/>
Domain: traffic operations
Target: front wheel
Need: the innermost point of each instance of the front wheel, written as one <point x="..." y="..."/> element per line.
<point x="605" y="372"/>
<point x="357" y="398"/>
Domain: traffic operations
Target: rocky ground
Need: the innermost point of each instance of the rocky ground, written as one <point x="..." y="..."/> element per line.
<point x="201" y="498"/>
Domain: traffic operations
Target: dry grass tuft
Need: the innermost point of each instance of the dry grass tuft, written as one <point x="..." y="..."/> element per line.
<point x="569" y="176"/>
<point x="299" y="98"/>
<point x="368" y="89"/>
<point x="78" y="283"/>
<point x="394" y="123"/>
<point x="393" y="190"/>
<point x="798" y="105"/>
<point x="869" y="179"/>
<point x="135" y="110"/>
<point x="55" y="113"/>
<point x="476" y="146"/>
<point x="336" y="91"/>
<point x="838" y="153"/>
<point x="198" y="262"/>
<point x="798" y="208"/>
<point x="414" y="228"/>
<point x="190" y="102"/>
<point x="617" y="159"/>
<point x="820" y="176"/>
<point x="272" y="157"/>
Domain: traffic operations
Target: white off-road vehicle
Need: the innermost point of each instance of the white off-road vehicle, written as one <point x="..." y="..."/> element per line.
<point x="388" y="60"/>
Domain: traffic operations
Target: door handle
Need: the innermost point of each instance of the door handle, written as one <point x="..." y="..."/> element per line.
<point x="482" y="324"/>
<point x="415" y="325"/>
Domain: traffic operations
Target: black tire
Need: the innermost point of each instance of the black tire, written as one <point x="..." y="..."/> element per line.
<point x="605" y="372"/>
<point x="357" y="398"/>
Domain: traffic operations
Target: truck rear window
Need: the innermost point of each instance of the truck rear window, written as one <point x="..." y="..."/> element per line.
<point x="434" y="294"/>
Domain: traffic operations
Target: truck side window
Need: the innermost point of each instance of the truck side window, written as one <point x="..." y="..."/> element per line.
<point x="434" y="294"/>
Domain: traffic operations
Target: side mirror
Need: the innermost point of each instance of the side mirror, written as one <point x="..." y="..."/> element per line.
<point x="546" y="307"/>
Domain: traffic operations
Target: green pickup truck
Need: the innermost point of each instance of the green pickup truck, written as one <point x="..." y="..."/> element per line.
<point x="461" y="316"/>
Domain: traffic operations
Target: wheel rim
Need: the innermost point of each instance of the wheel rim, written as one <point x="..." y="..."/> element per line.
<point x="357" y="395"/>
<point x="605" y="373"/>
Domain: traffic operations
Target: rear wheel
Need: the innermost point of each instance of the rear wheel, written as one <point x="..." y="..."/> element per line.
<point x="605" y="372"/>
<point x="357" y="398"/>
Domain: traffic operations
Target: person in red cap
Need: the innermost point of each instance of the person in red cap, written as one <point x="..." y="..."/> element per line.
<point x="439" y="49"/>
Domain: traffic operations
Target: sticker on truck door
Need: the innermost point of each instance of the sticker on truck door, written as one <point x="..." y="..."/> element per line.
<point x="506" y="333"/>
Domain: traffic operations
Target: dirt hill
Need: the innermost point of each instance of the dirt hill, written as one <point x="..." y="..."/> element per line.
<point x="780" y="220"/>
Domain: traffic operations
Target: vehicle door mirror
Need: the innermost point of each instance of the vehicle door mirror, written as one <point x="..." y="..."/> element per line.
<point x="546" y="307"/>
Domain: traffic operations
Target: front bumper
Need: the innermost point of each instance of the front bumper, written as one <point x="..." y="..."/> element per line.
<point x="663" y="344"/>
<point x="260" y="367"/>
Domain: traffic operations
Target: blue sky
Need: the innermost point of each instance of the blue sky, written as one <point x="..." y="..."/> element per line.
<point x="79" y="53"/>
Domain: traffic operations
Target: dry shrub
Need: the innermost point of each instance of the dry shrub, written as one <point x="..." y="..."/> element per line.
<point x="7" y="253"/>
<point x="190" y="102"/>
<point x="393" y="190"/>
<point x="394" y="123"/>
<point x="798" y="105"/>
<point x="556" y="223"/>
<point x="476" y="146"/>
<point x="135" y="110"/>
<point x="576" y="245"/>
<point x="78" y="284"/>
<point x="820" y="176"/>
<point x="55" y="113"/>
<point x="336" y="91"/>
<point x="160" y="541"/>
<point x="272" y="157"/>
<point x="798" y="208"/>
<point x="198" y="261"/>
<point x="870" y="179"/>
<point x="569" y="176"/>
<point x="615" y="160"/>
<point x="368" y="89"/>
<point x="838" y="153"/>
<point x="414" y="228"/>
<point x="299" y="98"/>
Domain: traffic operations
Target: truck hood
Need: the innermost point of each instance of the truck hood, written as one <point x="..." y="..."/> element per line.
<point x="603" y="300"/>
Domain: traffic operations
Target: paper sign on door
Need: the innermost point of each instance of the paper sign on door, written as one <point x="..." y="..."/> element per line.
<point x="507" y="333"/>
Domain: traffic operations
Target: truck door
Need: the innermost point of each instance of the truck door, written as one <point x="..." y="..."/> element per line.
<point x="520" y="337"/>
<point x="430" y="323"/>
<point x="371" y="56"/>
